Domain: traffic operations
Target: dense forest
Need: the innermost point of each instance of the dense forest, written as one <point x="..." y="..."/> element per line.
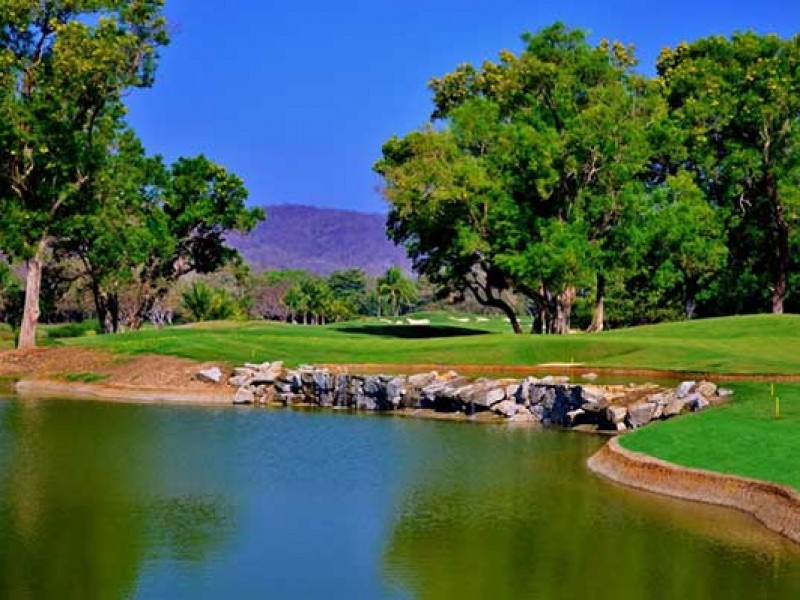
<point x="564" y="175"/>
<point x="559" y="183"/>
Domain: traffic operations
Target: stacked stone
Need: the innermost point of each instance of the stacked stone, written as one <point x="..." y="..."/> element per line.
<point x="548" y="400"/>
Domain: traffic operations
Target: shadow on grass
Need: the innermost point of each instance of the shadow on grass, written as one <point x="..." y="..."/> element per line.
<point x="413" y="331"/>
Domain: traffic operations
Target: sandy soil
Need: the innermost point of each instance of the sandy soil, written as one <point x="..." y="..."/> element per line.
<point x="147" y="371"/>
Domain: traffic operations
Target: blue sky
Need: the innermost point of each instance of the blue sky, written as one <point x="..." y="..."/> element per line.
<point x="297" y="97"/>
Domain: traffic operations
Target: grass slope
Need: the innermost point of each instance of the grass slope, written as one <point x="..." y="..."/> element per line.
<point x="763" y="344"/>
<point x="744" y="438"/>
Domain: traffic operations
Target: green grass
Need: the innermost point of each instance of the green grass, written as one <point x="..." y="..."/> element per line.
<point x="743" y="438"/>
<point x="763" y="344"/>
<point x="83" y="377"/>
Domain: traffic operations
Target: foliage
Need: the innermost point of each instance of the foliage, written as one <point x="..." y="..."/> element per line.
<point x="735" y="104"/>
<point x="64" y="67"/>
<point x="397" y="289"/>
<point x="204" y="303"/>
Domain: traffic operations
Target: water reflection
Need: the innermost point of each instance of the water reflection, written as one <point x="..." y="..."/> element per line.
<point x="523" y="519"/>
<point x="80" y="505"/>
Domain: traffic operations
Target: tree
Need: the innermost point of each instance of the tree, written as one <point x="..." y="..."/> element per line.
<point x="64" y="67"/>
<point x="527" y="181"/>
<point x="736" y="102"/>
<point x="204" y="303"/>
<point x="397" y="288"/>
<point x="153" y="225"/>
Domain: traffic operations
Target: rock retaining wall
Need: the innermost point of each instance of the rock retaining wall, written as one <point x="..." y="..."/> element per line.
<point x="547" y="400"/>
<point x="776" y="506"/>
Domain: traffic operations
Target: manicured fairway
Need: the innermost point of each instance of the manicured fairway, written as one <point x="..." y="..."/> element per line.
<point x="763" y="344"/>
<point x="744" y="438"/>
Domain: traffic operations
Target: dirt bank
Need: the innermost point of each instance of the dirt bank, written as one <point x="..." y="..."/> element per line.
<point x="776" y="506"/>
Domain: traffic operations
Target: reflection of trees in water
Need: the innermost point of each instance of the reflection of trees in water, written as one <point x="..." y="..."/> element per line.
<point x="80" y="509"/>
<point x="519" y="517"/>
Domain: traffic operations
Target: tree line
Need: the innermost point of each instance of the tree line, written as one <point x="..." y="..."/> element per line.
<point x="80" y="198"/>
<point x="563" y="175"/>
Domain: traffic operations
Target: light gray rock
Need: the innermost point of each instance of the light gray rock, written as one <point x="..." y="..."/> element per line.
<point x="706" y="389"/>
<point x="244" y="396"/>
<point x="495" y="395"/>
<point x="673" y="406"/>
<point x="616" y="414"/>
<point x="685" y="388"/>
<point x="696" y="402"/>
<point x="422" y="379"/>
<point x="589" y="376"/>
<point x="641" y="414"/>
<point x="212" y="375"/>
<point x="506" y="408"/>
<point x="238" y="381"/>
<point x="724" y="393"/>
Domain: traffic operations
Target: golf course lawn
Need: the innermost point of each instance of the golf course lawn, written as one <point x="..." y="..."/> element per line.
<point x="762" y="344"/>
<point x="743" y="438"/>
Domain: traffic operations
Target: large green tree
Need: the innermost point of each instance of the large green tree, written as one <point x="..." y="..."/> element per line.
<point x="736" y="102"/>
<point x="529" y="181"/>
<point x="64" y="67"/>
<point x="153" y="225"/>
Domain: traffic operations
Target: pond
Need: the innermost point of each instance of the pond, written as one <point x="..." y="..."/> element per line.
<point x="125" y="501"/>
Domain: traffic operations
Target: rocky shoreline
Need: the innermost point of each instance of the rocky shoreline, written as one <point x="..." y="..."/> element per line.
<point x="550" y="400"/>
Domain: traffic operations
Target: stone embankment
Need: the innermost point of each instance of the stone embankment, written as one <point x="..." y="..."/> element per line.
<point x="548" y="400"/>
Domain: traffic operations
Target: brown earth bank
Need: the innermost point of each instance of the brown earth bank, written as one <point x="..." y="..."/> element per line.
<point x="776" y="506"/>
<point x="92" y="373"/>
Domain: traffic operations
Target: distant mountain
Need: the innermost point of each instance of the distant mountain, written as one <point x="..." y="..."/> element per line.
<point x="320" y="240"/>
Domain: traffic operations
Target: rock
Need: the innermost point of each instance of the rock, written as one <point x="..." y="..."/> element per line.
<point x="212" y="375"/>
<point x="696" y="402"/>
<point x="589" y="376"/>
<point x="593" y="393"/>
<point x="641" y="414"/>
<point x="522" y="416"/>
<point x="616" y="414"/>
<point x="706" y="389"/>
<point x="724" y="393"/>
<point x="513" y="392"/>
<point x="685" y="388"/>
<point x="574" y="415"/>
<point x="506" y="408"/>
<point x="673" y="406"/>
<point x="244" y="396"/>
<point x="422" y="379"/>
<point x="238" y="381"/>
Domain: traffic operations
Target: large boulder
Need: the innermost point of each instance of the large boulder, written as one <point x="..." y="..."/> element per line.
<point x="685" y="388"/>
<point x="706" y="389"/>
<point x="616" y="414"/>
<point x="506" y="408"/>
<point x="244" y="396"/>
<point x="211" y="375"/>
<point x="641" y="414"/>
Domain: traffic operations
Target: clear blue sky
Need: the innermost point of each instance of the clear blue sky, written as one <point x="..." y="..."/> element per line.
<point x="297" y="96"/>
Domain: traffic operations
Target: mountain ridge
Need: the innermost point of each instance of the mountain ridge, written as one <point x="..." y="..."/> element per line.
<point x="319" y="240"/>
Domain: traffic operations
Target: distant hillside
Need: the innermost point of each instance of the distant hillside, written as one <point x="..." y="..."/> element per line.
<point x="320" y="240"/>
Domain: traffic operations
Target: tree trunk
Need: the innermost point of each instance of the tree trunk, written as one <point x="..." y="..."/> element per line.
<point x="33" y="286"/>
<point x="781" y="239"/>
<point x="599" y="315"/>
<point x="564" y="303"/>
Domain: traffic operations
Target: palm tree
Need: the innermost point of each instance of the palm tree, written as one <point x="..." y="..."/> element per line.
<point x="397" y="288"/>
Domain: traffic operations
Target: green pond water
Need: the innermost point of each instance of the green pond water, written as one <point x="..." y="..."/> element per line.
<point x="123" y="501"/>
